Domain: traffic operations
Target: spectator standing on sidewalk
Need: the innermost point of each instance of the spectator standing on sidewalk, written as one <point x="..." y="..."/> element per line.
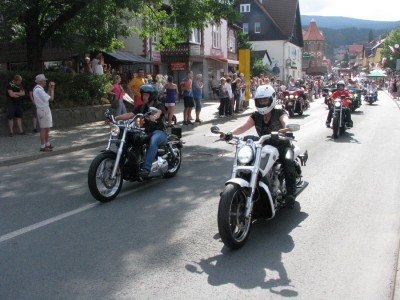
<point x="118" y="92"/>
<point x="188" y="102"/>
<point x="97" y="64"/>
<point x="213" y="87"/>
<point x="15" y="95"/>
<point x="134" y="87"/>
<point x="198" y="95"/>
<point x="237" y="93"/>
<point x="171" y="91"/>
<point x="223" y="98"/>
<point x="230" y="95"/>
<point x="42" y="98"/>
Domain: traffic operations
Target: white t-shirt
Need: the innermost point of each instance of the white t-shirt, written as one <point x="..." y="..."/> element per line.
<point x="96" y="67"/>
<point x="41" y="97"/>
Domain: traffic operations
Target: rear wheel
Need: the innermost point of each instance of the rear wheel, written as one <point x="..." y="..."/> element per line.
<point x="174" y="163"/>
<point x="233" y="227"/>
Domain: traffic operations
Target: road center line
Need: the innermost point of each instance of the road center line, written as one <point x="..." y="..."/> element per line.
<point x="24" y="230"/>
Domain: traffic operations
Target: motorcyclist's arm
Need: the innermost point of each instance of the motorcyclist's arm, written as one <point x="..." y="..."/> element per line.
<point x="244" y="127"/>
<point x="284" y="119"/>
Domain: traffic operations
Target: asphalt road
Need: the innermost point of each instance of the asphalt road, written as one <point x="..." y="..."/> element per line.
<point x="159" y="240"/>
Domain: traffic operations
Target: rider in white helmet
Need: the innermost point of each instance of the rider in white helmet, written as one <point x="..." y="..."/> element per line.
<point x="266" y="119"/>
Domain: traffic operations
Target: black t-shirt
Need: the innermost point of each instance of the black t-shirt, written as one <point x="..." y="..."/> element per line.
<point x="160" y="122"/>
<point x="15" y="88"/>
<point x="273" y="124"/>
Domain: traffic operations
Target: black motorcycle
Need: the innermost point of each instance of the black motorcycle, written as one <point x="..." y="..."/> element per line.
<point x="339" y="117"/>
<point x="355" y="98"/>
<point x="110" y="168"/>
<point x="371" y="96"/>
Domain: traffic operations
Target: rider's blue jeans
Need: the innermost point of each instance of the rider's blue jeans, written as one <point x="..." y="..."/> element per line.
<point x="157" y="137"/>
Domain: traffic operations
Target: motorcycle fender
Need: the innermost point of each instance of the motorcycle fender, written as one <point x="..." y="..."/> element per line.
<point x="239" y="181"/>
<point x="270" y="202"/>
<point x="108" y="151"/>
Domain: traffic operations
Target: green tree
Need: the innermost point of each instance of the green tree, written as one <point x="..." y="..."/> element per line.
<point x="392" y="39"/>
<point x="243" y="41"/>
<point x="258" y="68"/>
<point x="98" y="23"/>
<point x="370" y="36"/>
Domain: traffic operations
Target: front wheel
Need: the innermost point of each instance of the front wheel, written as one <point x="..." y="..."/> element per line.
<point x="233" y="227"/>
<point x="335" y="127"/>
<point x="101" y="185"/>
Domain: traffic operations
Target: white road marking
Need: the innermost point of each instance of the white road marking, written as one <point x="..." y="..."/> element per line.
<point x="27" y="229"/>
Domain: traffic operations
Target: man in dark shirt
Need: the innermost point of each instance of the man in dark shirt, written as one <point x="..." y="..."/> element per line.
<point x="15" y="95"/>
<point x="154" y="126"/>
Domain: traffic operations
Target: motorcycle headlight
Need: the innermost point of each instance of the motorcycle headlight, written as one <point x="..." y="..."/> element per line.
<point x="114" y="130"/>
<point x="337" y="104"/>
<point x="291" y="96"/>
<point x="245" y="155"/>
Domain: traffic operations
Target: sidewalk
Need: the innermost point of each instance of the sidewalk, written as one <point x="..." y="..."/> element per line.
<point x="23" y="148"/>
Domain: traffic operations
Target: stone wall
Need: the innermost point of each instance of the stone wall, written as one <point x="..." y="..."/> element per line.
<point x="62" y="117"/>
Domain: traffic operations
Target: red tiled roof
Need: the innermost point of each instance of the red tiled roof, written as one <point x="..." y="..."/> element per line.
<point x="313" y="33"/>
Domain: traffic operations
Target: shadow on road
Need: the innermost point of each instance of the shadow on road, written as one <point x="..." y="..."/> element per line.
<point x="259" y="262"/>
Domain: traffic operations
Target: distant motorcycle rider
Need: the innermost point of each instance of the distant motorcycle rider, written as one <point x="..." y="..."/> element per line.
<point x="154" y="126"/>
<point x="338" y="94"/>
<point x="267" y="119"/>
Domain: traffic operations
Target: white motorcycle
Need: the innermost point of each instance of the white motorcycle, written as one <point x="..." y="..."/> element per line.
<point x="257" y="188"/>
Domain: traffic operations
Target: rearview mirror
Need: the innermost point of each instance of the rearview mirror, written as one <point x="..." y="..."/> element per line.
<point x="152" y="110"/>
<point x="215" y="129"/>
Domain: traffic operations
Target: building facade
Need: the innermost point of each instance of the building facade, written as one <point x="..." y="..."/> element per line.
<point x="274" y="29"/>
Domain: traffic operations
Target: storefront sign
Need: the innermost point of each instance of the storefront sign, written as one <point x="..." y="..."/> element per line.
<point x="178" y="66"/>
<point x="156" y="56"/>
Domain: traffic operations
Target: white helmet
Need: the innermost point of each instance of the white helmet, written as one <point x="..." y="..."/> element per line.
<point x="265" y="92"/>
<point x="340" y="82"/>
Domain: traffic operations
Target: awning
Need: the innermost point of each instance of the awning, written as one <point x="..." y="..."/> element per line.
<point x="128" y="57"/>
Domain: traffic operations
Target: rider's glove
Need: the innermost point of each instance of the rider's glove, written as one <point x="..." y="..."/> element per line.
<point x="228" y="136"/>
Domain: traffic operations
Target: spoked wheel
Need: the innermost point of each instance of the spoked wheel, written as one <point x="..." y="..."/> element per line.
<point x="174" y="164"/>
<point x="233" y="227"/>
<point x="101" y="185"/>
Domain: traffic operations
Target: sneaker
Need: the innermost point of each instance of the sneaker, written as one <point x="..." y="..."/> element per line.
<point x="198" y="121"/>
<point x="50" y="146"/>
<point x="190" y="123"/>
<point x="185" y="123"/>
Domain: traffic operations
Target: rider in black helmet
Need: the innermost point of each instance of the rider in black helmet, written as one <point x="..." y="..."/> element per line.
<point x="154" y="126"/>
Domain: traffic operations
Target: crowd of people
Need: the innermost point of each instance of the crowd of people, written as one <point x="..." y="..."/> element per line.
<point x="229" y="89"/>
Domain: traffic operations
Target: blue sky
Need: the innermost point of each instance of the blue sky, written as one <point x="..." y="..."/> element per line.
<point x="382" y="10"/>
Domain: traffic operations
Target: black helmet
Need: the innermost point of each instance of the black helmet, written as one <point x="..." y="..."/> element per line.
<point x="149" y="89"/>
